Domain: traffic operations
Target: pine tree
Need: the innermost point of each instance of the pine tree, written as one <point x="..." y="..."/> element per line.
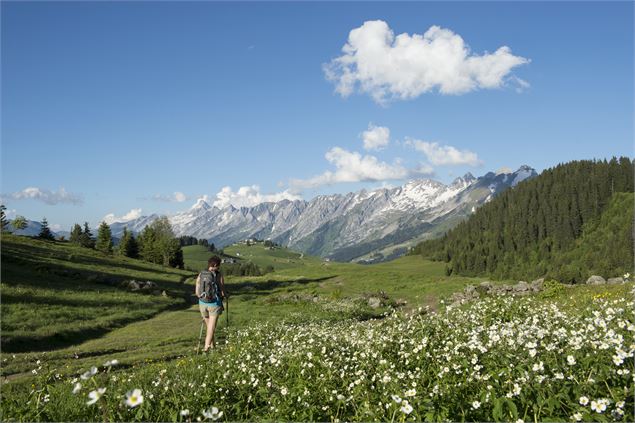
<point x="45" y="232"/>
<point x="3" y="218"/>
<point x="86" y="239"/>
<point x="128" y="246"/>
<point x="19" y="223"/>
<point x="76" y="234"/>
<point x="104" y="238"/>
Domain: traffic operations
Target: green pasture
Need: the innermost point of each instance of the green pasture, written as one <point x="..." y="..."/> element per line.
<point x="280" y="258"/>
<point x="62" y="304"/>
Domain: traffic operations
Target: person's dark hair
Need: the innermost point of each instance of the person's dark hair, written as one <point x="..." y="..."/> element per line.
<point x="213" y="261"/>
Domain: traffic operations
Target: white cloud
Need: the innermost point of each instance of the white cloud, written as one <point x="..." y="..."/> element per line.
<point x="46" y="196"/>
<point x="440" y="155"/>
<point x="249" y="196"/>
<point x="177" y="197"/>
<point x="403" y="67"/>
<point x="376" y="137"/>
<point x="131" y="215"/>
<point x="56" y="227"/>
<point x="353" y="167"/>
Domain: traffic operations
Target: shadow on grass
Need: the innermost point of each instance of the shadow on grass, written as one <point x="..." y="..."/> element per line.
<point x="266" y="287"/>
<point x="59" y="277"/>
<point x="8" y="298"/>
<point x="38" y="257"/>
<point x="67" y="338"/>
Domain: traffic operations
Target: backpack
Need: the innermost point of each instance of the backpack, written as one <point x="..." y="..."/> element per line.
<point x="210" y="286"/>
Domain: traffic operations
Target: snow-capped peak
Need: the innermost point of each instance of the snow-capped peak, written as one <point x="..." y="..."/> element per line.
<point x="465" y="180"/>
<point x="201" y="204"/>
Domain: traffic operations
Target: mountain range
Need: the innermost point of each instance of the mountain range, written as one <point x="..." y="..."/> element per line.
<point x="364" y="226"/>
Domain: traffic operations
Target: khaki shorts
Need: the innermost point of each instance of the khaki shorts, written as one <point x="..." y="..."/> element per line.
<point x="210" y="310"/>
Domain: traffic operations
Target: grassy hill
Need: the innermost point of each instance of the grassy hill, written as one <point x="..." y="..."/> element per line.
<point x="196" y="256"/>
<point x="307" y="327"/>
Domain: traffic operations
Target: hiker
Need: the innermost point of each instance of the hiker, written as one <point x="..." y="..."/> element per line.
<point x="210" y="290"/>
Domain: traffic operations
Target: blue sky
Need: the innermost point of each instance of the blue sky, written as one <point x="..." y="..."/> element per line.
<point x="123" y="109"/>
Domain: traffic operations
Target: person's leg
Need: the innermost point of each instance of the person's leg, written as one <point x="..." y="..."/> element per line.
<point x="206" y="320"/>
<point x="211" y="327"/>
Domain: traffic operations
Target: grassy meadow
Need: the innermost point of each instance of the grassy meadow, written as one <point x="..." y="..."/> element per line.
<point x="302" y="343"/>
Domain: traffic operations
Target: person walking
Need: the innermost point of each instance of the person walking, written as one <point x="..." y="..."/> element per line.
<point x="210" y="290"/>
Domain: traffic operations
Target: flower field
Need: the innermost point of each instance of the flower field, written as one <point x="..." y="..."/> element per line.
<point x="498" y="359"/>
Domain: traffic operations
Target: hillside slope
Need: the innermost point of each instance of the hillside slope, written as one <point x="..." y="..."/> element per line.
<point x="56" y="294"/>
<point x="522" y="232"/>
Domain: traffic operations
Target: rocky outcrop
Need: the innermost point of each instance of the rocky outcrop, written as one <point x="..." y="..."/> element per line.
<point x="147" y="286"/>
<point x="472" y="292"/>
<point x="596" y="280"/>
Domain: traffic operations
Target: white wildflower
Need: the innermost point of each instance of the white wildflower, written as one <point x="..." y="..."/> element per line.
<point x="570" y="360"/>
<point x="476" y="405"/>
<point x="95" y="395"/>
<point x="92" y="372"/>
<point x="212" y="413"/>
<point x="406" y="408"/>
<point x="598" y="406"/>
<point x="77" y="388"/>
<point x="134" y="398"/>
<point x="584" y="400"/>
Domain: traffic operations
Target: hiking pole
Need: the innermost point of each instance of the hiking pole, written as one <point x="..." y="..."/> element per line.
<point x="200" y="335"/>
<point x="227" y="316"/>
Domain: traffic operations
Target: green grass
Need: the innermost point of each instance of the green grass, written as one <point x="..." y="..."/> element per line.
<point x="441" y="364"/>
<point x="56" y="296"/>
<point x="60" y="301"/>
<point x="195" y="257"/>
<point x="71" y="331"/>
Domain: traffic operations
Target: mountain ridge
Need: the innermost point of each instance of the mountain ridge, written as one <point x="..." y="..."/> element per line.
<point x="347" y="227"/>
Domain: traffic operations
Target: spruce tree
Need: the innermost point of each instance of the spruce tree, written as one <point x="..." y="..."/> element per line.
<point x="76" y="234"/>
<point x="86" y="239"/>
<point x="3" y="218"/>
<point x="45" y="232"/>
<point x="128" y="246"/>
<point x="104" y="238"/>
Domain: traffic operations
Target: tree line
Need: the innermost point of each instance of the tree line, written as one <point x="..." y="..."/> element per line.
<point x="527" y="231"/>
<point x="156" y="243"/>
<point x="245" y="269"/>
<point x="187" y="240"/>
